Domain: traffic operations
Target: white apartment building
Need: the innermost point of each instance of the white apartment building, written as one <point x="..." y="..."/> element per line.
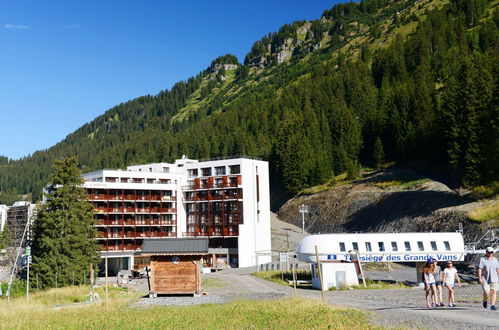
<point x="3" y="216"/>
<point x="17" y="217"/>
<point x="226" y="200"/>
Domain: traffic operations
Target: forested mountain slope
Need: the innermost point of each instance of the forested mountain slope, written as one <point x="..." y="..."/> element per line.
<point x="417" y="79"/>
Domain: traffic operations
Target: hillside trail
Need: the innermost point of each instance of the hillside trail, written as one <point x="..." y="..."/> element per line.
<point x="388" y="308"/>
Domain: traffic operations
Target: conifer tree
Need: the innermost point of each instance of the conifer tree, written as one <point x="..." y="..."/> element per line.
<point x="378" y="153"/>
<point x="5" y="237"/>
<point x="64" y="244"/>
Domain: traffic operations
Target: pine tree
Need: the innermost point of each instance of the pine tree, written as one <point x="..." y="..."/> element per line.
<point x="378" y="153"/>
<point x="64" y="231"/>
<point x="5" y="237"/>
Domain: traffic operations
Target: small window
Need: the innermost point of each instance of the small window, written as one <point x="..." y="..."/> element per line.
<point x="206" y="171"/>
<point x="355" y="246"/>
<point x="192" y="173"/>
<point x="447" y="245"/>
<point x="394" y="247"/>
<point x="220" y="170"/>
<point x="407" y="246"/>
<point x="381" y="246"/>
<point x="368" y="247"/>
<point x="235" y="169"/>
<point x="166" y="170"/>
<point x="342" y="247"/>
<point x="433" y="246"/>
<point x="420" y="246"/>
<point x="150" y="169"/>
<point x="150" y="180"/>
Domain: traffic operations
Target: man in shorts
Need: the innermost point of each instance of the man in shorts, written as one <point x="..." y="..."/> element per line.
<point x="488" y="274"/>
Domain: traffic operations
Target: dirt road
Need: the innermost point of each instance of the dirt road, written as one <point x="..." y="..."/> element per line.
<point x="389" y="308"/>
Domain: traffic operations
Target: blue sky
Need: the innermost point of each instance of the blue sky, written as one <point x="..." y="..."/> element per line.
<point x="63" y="63"/>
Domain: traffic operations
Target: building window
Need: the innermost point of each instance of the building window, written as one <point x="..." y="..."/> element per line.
<point x="342" y="247"/>
<point x="111" y="179"/>
<point x="206" y="171"/>
<point x="235" y="169"/>
<point x="381" y="246"/>
<point x="166" y="170"/>
<point x="447" y="245"/>
<point x="407" y="246"/>
<point x="368" y="247"/>
<point x="355" y="246"/>
<point x="433" y="245"/>
<point x="220" y="170"/>
<point x="420" y="246"/>
<point x="124" y="180"/>
<point x="150" y="180"/>
<point x="192" y="173"/>
<point x="394" y="247"/>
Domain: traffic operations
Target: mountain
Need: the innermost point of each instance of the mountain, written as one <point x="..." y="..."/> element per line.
<point x="419" y="77"/>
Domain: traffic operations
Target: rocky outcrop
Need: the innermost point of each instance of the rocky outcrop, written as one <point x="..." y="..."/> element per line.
<point x="379" y="203"/>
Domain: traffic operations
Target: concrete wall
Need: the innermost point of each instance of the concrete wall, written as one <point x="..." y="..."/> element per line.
<point x="335" y="275"/>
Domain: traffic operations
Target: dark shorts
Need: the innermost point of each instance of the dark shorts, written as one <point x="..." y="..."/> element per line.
<point x="438" y="283"/>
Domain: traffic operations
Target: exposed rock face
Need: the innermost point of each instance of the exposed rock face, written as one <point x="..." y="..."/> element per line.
<point x="217" y="66"/>
<point x="369" y="205"/>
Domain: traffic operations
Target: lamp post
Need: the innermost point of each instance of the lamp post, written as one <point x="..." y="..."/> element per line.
<point x="303" y="209"/>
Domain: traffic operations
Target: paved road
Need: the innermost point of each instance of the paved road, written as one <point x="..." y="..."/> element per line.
<point x="390" y="308"/>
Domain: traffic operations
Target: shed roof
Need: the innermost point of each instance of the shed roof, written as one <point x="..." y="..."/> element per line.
<point x="168" y="246"/>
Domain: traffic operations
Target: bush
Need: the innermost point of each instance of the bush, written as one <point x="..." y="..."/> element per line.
<point x="17" y="289"/>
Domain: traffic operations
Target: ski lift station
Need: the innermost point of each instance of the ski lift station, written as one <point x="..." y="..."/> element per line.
<point x="340" y="255"/>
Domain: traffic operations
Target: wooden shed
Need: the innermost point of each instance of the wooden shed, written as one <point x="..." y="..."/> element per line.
<point x="175" y="265"/>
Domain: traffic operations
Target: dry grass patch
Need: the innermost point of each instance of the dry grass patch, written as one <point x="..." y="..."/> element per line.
<point x="486" y="212"/>
<point x="267" y="314"/>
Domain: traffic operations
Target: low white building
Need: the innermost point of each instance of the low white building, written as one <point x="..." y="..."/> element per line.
<point x="226" y="200"/>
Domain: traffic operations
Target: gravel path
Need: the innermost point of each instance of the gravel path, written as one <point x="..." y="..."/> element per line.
<point x="389" y="308"/>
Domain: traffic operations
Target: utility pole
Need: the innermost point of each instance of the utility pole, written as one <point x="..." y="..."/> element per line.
<point x="303" y="209"/>
<point x="28" y="259"/>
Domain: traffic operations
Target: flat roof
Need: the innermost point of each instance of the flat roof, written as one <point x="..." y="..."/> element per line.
<point x="169" y="246"/>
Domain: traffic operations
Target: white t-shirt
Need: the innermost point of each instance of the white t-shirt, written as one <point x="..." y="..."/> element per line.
<point x="450" y="275"/>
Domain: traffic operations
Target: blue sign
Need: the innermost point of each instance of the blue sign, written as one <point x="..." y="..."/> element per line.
<point x="331" y="257"/>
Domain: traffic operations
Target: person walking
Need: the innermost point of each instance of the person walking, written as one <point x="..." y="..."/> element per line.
<point x="488" y="274"/>
<point x="449" y="276"/>
<point x="438" y="281"/>
<point x="429" y="281"/>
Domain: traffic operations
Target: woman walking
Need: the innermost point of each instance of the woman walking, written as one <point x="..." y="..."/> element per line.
<point x="450" y="274"/>
<point x="429" y="280"/>
<point x="438" y="282"/>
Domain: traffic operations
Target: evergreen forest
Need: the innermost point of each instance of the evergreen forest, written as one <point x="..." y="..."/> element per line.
<point x="411" y="82"/>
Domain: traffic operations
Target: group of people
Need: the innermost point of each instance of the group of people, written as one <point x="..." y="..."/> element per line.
<point x="435" y="279"/>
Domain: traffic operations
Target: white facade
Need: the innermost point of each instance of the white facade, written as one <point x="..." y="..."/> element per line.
<point x="383" y="247"/>
<point x="254" y="232"/>
<point x="227" y="200"/>
<point x="3" y="216"/>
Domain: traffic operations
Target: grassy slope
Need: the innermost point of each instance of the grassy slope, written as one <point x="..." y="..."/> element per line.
<point x="266" y="314"/>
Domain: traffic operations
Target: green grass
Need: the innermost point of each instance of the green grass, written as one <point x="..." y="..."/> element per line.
<point x="263" y="314"/>
<point x="338" y="180"/>
<point x="63" y="296"/>
<point x="210" y="283"/>
<point x="370" y="285"/>
<point x="399" y="180"/>
<point x="278" y="276"/>
<point x="487" y="191"/>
